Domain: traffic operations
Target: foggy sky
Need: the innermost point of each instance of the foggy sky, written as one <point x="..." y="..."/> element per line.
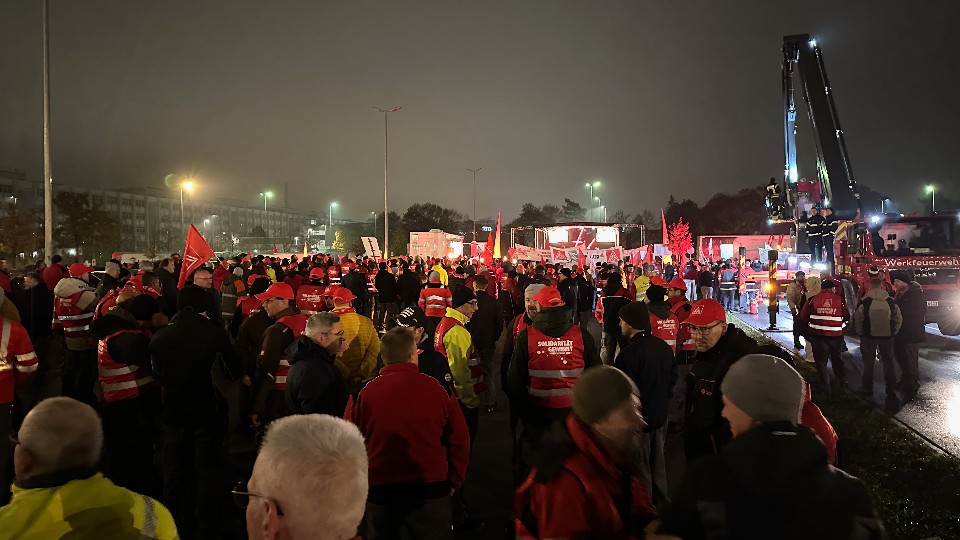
<point x="651" y="98"/>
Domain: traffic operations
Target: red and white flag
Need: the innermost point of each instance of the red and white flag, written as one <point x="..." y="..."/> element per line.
<point x="195" y="253"/>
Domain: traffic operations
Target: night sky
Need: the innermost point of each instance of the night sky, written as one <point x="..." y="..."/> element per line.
<point x="652" y="98"/>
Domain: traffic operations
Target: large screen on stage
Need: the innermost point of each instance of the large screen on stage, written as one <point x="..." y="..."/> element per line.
<point x="590" y="237"/>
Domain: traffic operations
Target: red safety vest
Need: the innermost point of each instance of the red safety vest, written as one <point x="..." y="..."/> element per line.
<point x="296" y="323"/>
<point x="75" y="321"/>
<point x="826" y="315"/>
<point x="555" y="365"/>
<point x="120" y="381"/>
<point x="435" y="299"/>
<point x="371" y="286"/>
<point x="333" y="272"/>
<point x="684" y="339"/>
<point x="249" y="306"/>
<point x="519" y="324"/>
<point x="665" y="329"/>
<point x="473" y="362"/>
<point x="310" y="299"/>
<point x="17" y="359"/>
<point x="106" y="303"/>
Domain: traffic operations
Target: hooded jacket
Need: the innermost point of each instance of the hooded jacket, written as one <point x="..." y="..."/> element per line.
<point x="486" y="325"/>
<point x="913" y="308"/>
<point x="408" y="286"/>
<point x="877" y="315"/>
<point x="314" y="384"/>
<point x="649" y="361"/>
<point x="614" y="297"/>
<point x="86" y="302"/>
<point x="554" y="322"/>
<point x="771" y="482"/>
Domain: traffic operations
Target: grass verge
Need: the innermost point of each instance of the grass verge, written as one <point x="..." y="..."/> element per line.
<point x="915" y="488"/>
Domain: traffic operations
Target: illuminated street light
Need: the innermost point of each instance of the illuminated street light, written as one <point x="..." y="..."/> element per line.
<point x="932" y="190"/>
<point x="266" y="195"/>
<point x="188" y="187"/>
<point x="330" y="229"/>
<point x="591" y="185"/>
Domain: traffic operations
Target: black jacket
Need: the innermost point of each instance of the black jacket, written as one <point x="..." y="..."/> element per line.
<point x="314" y="384"/>
<point x="168" y="282"/>
<point x="430" y="362"/>
<point x="107" y="284"/>
<point x="705" y="278"/>
<point x="704" y="400"/>
<point x="183" y="354"/>
<point x="125" y="348"/>
<point x="357" y="284"/>
<point x="913" y="308"/>
<point x="615" y="297"/>
<point x="568" y="293"/>
<point x="553" y="322"/>
<point x="486" y="325"/>
<point x="386" y="284"/>
<point x="771" y="482"/>
<point x="36" y="309"/>
<point x="649" y="361"/>
<point x="408" y="287"/>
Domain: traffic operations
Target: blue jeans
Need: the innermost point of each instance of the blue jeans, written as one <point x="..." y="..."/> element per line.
<point x="726" y="298"/>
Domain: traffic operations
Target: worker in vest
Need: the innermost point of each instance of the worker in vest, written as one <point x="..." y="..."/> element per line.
<point x="643" y="281"/>
<point x="547" y="361"/>
<point x="73" y="306"/>
<point x="232" y="289"/>
<point x="131" y="395"/>
<point x="310" y="297"/>
<point x="680" y="307"/>
<point x="270" y="380"/>
<point x="333" y="273"/>
<point x="18" y="362"/>
<point x="359" y="361"/>
<point x="825" y="317"/>
<point x="520" y="322"/>
<point x="877" y="320"/>
<point x="248" y="305"/>
<point x="435" y="299"/>
<point x="663" y="323"/>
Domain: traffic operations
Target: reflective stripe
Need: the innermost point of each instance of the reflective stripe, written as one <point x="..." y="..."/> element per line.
<point x="149" y="527"/>
<point x="27" y="369"/>
<point x="550" y="392"/>
<point x="225" y="295"/>
<point x="826" y="328"/>
<point x="126" y="385"/>
<point x="25" y="357"/>
<point x="284" y="362"/>
<point x="435" y="297"/>
<point x="826" y="318"/>
<point x="281" y="379"/>
<point x="308" y="312"/>
<point x="671" y="342"/>
<point x="555" y="373"/>
<point x="75" y="317"/>
<point x="83" y="328"/>
<point x="116" y="372"/>
<point x="5" y="366"/>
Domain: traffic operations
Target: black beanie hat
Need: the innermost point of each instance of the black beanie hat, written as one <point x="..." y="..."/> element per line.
<point x="657" y="294"/>
<point x="600" y="390"/>
<point x="143" y="307"/>
<point x="462" y="295"/>
<point x="193" y="297"/>
<point x="636" y="315"/>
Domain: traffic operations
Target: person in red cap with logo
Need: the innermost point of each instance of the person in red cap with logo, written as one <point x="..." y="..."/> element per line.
<point x="73" y="307"/>
<point x="719" y="344"/>
<point x="270" y="380"/>
<point x="310" y="297"/>
<point x="548" y="358"/>
<point x="358" y="362"/>
<point x="681" y="308"/>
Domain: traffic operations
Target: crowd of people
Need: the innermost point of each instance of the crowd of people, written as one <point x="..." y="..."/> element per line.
<point x="360" y="385"/>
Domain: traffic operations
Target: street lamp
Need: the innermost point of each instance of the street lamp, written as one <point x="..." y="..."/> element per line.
<point x="883" y="205"/>
<point x="591" y="185"/>
<point x="386" y="211"/>
<point x="330" y="226"/>
<point x="932" y="190"/>
<point x="475" y="171"/>
<point x="266" y="195"/>
<point x="188" y="187"/>
<point x="374" y="214"/>
<point x="604" y="208"/>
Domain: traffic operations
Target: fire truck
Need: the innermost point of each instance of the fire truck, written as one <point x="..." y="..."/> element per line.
<point x="927" y="245"/>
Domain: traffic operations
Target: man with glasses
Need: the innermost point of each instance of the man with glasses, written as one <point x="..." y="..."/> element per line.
<point x="719" y="344"/>
<point x="314" y="384"/>
<point x="309" y="481"/>
<point x="203" y="278"/>
<point x="270" y="380"/>
<point x="60" y="494"/>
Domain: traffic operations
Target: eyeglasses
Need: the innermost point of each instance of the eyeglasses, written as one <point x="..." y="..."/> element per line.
<point x="241" y="497"/>
<point x="474" y="303"/>
<point x="703" y="330"/>
<point x="338" y="334"/>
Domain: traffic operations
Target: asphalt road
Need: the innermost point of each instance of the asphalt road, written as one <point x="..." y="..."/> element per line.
<point x="934" y="414"/>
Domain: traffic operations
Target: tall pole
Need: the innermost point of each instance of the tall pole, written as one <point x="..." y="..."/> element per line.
<point x="386" y="210"/>
<point x="475" y="171"/>
<point x="47" y="172"/>
<point x="181" y="209"/>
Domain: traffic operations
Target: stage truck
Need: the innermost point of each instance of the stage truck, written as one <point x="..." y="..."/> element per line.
<point x="927" y="245"/>
<point x="597" y="239"/>
<point x="435" y="243"/>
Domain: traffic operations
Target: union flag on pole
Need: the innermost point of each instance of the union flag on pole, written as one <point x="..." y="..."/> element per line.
<point x="195" y="253"/>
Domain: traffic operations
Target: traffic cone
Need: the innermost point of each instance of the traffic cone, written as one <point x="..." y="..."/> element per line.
<point x="755" y="305"/>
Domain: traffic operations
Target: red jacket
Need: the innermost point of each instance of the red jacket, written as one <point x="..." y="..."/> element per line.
<point x="580" y="502"/>
<point x="813" y="418"/>
<point x="17" y="359"/>
<point x="414" y="430"/>
<point x="52" y="275"/>
<point x="435" y="299"/>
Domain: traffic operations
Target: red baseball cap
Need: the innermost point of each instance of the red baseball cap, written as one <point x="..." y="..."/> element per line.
<point x="78" y="269"/>
<point x="677" y="283"/>
<point x="330" y="290"/>
<point x="549" y="297"/>
<point x="277" y="290"/>
<point x="657" y="280"/>
<point x="705" y="312"/>
<point x="343" y="294"/>
<point x="316" y="273"/>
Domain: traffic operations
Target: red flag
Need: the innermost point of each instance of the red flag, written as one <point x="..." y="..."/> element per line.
<point x="663" y="224"/>
<point x="487" y="255"/>
<point x="275" y="249"/>
<point x="581" y="258"/>
<point x="195" y="253"/>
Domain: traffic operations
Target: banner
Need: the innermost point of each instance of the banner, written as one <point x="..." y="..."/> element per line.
<point x="559" y="255"/>
<point x="613" y="255"/>
<point x="196" y="252"/>
<point x="526" y="253"/>
<point x="371" y="247"/>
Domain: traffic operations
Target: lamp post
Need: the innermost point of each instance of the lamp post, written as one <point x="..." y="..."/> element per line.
<point x="266" y="195"/>
<point x="475" y="171"/>
<point x="604" y="208"/>
<point x="386" y="211"/>
<point x="591" y="185"/>
<point x="188" y="187"/>
<point x="374" y="214"/>
<point x="330" y="226"/>
<point x="932" y="190"/>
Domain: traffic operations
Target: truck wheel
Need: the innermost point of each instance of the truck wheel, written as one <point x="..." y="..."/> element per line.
<point x="850" y="298"/>
<point x="949" y="328"/>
